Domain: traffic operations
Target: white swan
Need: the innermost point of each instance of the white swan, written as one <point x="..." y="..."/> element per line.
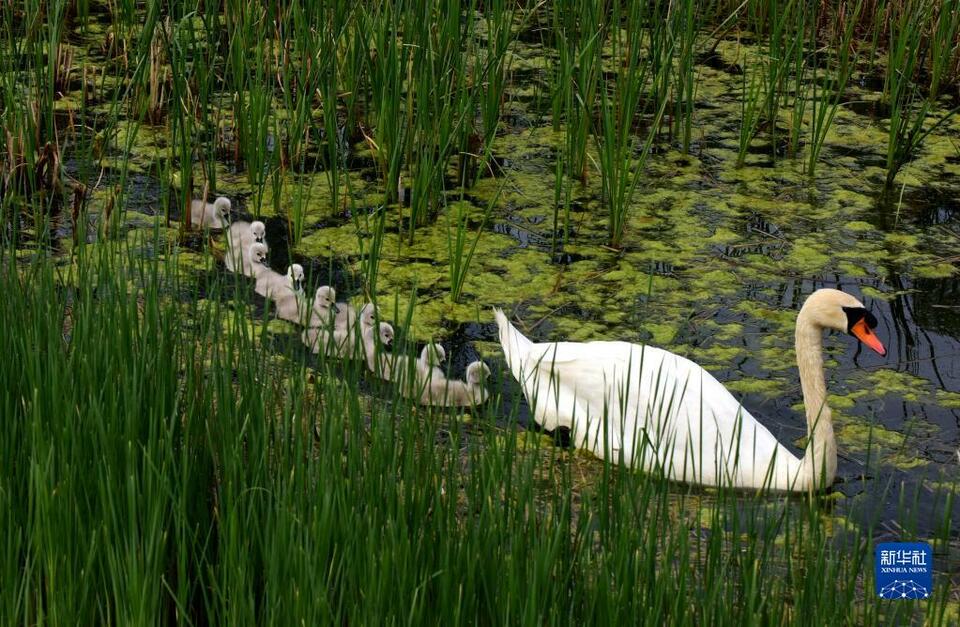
<point x="347" y="338"/>
<point x="241" y="235"/>
<point x="421" y="379"/>
<point x="324" y="302"/>
<point x="349" y="327"/>
<point x="380" y="363"/>
<point x="447" y="393"/>
<point x="286" y="292"/>
<point x="387" y="366"/>
<point x="428" y="366"/>
<point x="656" y="411"/>
<point x="274" y="285"/>
<point x="210" y="215"/>
<point x="251" y="263"/>
<point x="319" y="326"/>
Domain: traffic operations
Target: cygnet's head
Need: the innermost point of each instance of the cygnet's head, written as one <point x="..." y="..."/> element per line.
<point x="258" y="253"/>
<point x="222" y="206"/>
<point x="367" y="316"/>
<point x="258" y="229"/>
<point x="295" y="275"/>
<point x="433" y="354"/>
<point x="386" y="334"/>
<point x="833" y="309"/>
<point x="325" y="298"/>
<point x="477" y="371"/>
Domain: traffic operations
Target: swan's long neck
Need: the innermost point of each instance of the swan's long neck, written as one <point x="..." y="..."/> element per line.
<point x="820" y="460"/>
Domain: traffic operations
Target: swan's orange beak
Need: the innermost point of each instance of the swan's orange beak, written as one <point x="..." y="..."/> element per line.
<point x="866" y="335"/>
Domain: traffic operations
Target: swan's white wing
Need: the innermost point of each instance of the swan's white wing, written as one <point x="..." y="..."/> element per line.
<point x="560" y="380"/>
<point x="652" y="409"/>
<point x="617" y="398"/>
<point x="722" y="443"/>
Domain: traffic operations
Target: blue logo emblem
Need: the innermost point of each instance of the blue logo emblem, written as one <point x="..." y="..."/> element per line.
<point x="904" y="570"/>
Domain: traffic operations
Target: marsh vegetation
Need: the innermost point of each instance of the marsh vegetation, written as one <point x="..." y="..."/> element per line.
<point x="675" y="173"/>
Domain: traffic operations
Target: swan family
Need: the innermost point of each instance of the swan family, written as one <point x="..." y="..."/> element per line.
<point x="337" y="329"/>
<point x="636" y="405"/>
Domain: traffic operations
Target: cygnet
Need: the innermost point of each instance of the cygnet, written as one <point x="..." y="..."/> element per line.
<point x="274" y="285"/>
<point x="428" y="366"/>
<point x="241" y="234"/>
<point x="252" y="263"/>
<point x="210" y="215"/>
<point x="458" y="393"/>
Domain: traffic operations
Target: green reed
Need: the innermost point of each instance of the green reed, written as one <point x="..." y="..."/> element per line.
<point x="442" y="104"/>
<point x="332" y="72"/>
<point x="561" y="200"/>
<point x="781" y="41"/>
<point x="388" y="138"/>
<point x="302" y="61"/>
<point x="458" y="253"/>
<point x="944" y="53"/>
<point x="621" y="156"/>
<point x="248" y="78"/>
<point x="752" y="101"/>
<point x="685" y="30"/>
<point x="201" y="55"/>
<point x="798" y="77"/>
<point x="34" y="65"/>
<point x="580" y="36"/>
<point x="372" y="251"/>
<point x="564" y="110"/>
<point x="168" y="458"/>
<point x="908" y="108"/>
<point x="490" y="71"/>
<point x="824" y="108"/>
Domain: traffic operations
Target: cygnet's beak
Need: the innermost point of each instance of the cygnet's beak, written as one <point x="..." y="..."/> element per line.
<point x="259" y="239"/>
<point x="334" y="308"/>
<point x="298" y="285"/>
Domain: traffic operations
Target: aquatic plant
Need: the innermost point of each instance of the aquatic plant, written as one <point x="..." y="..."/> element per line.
<point x="371" y="252"/>
<point x="561" y="200"/>
<point x="580" y="34"/>
<point x="490" y="71"/>
<point x="621" y="156"/>
<point x="388" y="140"/>
<point x="944" y="53"/>
<point x="221" y="472"/>
<point x="458" y="254"/>
<point x="908" y="108"/>
<point x="824" y="108"/>
<point x="685" y="30"/>
<point x="751" y="107"/>
<point x="782" y="38"/>
<point x="223" y="475"/>
<point x="182" y="129"/>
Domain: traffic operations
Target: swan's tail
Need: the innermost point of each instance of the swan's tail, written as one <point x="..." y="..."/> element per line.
<point x="514" y="344"/>
<point x="509" y="335"/>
